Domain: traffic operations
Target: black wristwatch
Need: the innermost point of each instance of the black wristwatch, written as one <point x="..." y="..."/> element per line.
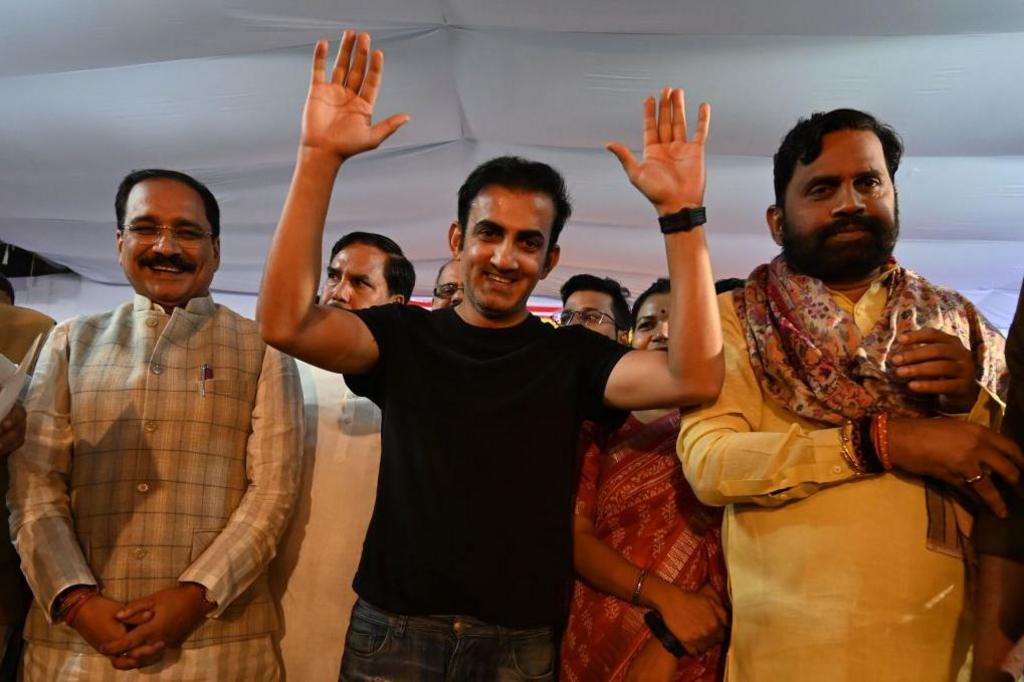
<point x="684" y="220"/>
<point x="657" y="625"/>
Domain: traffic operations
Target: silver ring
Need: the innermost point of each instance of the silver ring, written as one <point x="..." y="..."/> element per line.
<point x="974" y="479"/>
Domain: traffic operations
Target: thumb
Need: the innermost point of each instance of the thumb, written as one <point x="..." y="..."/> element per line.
<point x="388" y="127"/>
<point x="624" y="155"/>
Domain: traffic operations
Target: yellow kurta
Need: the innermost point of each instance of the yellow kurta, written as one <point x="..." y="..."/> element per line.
<point x="829" y="573"/>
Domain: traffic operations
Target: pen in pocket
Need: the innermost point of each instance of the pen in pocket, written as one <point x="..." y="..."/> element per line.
<point x="205" y="372"/>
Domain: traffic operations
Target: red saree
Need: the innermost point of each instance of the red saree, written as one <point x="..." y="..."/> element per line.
<point x="634" y="491"/>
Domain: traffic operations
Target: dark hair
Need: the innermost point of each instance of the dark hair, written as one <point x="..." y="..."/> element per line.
<point x="399" y="272"/>
<point x="728" y="284"/>
<point x="137" y="176"/>
<point x="514" y="172"/>
<point x="7" y="288"/>
<point x="660" y="286"/>
<point x="803" y="143"/>
<point x="602" y="285"/>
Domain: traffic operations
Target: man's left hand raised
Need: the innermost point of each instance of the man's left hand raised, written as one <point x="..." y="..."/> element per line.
<point x="937" y="363"/>
<point x="175" y="613"/>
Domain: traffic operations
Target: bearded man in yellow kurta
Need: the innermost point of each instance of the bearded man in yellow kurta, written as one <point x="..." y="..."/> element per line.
<point x="852" y="435"/>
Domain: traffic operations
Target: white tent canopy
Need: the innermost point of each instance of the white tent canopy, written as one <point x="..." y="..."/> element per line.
<point x="91" y="90"/>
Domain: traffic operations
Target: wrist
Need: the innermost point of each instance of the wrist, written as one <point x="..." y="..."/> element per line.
<point x="199" y="597"/>
<point x="655" y="594"/>
<point x="316" y="158"/>
<point x="675" y="205"/>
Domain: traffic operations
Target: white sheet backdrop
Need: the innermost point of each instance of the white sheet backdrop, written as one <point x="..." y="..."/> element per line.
<point x="90" y="90"/>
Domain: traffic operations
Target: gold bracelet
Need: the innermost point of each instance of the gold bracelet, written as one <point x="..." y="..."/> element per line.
<point x="844" y="448"/>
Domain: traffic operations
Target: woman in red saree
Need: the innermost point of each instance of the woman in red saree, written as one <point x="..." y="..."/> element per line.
<point x="641" y="536"/>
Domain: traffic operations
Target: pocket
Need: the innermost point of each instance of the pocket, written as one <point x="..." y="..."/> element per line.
<point x="366" y="637"/>
<point x="201" y="540"/>
<point x="533" y="656"/>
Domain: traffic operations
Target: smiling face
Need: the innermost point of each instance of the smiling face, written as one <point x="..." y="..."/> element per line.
<point x="651" y="331"/>
<point x="504" y="253"/>
<point x="168" y="271"/>
<point x="840" y="220"/>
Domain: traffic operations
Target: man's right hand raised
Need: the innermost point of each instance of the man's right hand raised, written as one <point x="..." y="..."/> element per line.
<point x="337" y="119"/>
<point x="957" y="452"/>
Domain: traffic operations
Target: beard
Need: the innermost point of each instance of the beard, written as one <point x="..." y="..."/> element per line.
<point x="816" y="256"/>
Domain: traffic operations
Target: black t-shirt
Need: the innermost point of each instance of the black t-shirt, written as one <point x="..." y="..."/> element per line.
<point x="480" y="429"/>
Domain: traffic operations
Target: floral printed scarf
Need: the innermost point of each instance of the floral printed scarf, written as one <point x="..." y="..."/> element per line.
<point x="810" y="357"/>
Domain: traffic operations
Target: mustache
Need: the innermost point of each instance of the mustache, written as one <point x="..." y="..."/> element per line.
<point x="862" y="222"/>
<point x="173" y="260"/>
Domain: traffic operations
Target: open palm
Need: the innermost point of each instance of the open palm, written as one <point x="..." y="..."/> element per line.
<point x="338" y="117"/>
<point x="671" y="174"/>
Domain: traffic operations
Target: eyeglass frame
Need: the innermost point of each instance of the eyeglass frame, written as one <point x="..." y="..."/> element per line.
<point x="440" y="289"/>
<point x="176" y="233"/>
<point x="561" y="321"/>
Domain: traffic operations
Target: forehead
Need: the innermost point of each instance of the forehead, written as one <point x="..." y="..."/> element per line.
<point x="513" y="209"/>
<point x="167" y="200"/>
<point x="449" y="274"/>
<point x="843" y="153"/>
<point x="360" y="258"/>
<point x="598" y="300"/>
<point x="654" y="305"/>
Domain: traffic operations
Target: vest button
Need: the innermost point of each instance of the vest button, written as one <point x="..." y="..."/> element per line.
<point x="157" y="369"/>
<point x="150" y="427"/>
<point x="139" y="553"/>
<point x="142" y="487"/>
<point x="151" y="322"/>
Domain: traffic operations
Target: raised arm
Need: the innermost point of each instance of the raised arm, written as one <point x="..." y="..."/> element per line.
<point x="672" y="177"/>
<point x="336" y="125"/>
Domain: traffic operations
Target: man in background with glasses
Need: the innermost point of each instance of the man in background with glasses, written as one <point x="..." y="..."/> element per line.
<point x="598" y="303"/>
<point x="160" y="465"/>
<point x="447" y="288"/>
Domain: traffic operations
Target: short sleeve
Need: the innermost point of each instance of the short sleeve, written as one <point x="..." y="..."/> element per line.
<point x="383" y="321"/>
<point x="598" y="358"/>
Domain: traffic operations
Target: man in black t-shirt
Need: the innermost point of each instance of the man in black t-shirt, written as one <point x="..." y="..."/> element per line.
<point x="468" y="555"/>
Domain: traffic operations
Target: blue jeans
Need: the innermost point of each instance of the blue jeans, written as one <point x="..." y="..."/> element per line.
<point x="385" y="646"/>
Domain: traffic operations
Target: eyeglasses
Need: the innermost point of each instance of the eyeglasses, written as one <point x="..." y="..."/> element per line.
<point x="149" y="234"/>
<point x="447" y="290"/>
<point x="587" y="317"/>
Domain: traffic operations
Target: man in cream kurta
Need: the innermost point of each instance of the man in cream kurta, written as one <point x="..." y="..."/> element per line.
<point x="160" y="466"/>
<point x="830" y="571"/>
<point x="318" y="557"/>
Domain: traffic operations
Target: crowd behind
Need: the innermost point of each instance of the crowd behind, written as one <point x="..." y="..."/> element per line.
<point x="809" y="474"/>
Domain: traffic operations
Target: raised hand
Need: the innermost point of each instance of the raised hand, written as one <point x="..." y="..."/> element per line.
<point x="338" y="117"/>
<point x="937" y="363"/>
<point x="671" y="174"/>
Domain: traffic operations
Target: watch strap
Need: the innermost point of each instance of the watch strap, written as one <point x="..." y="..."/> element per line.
<point x="684" y="220"/>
